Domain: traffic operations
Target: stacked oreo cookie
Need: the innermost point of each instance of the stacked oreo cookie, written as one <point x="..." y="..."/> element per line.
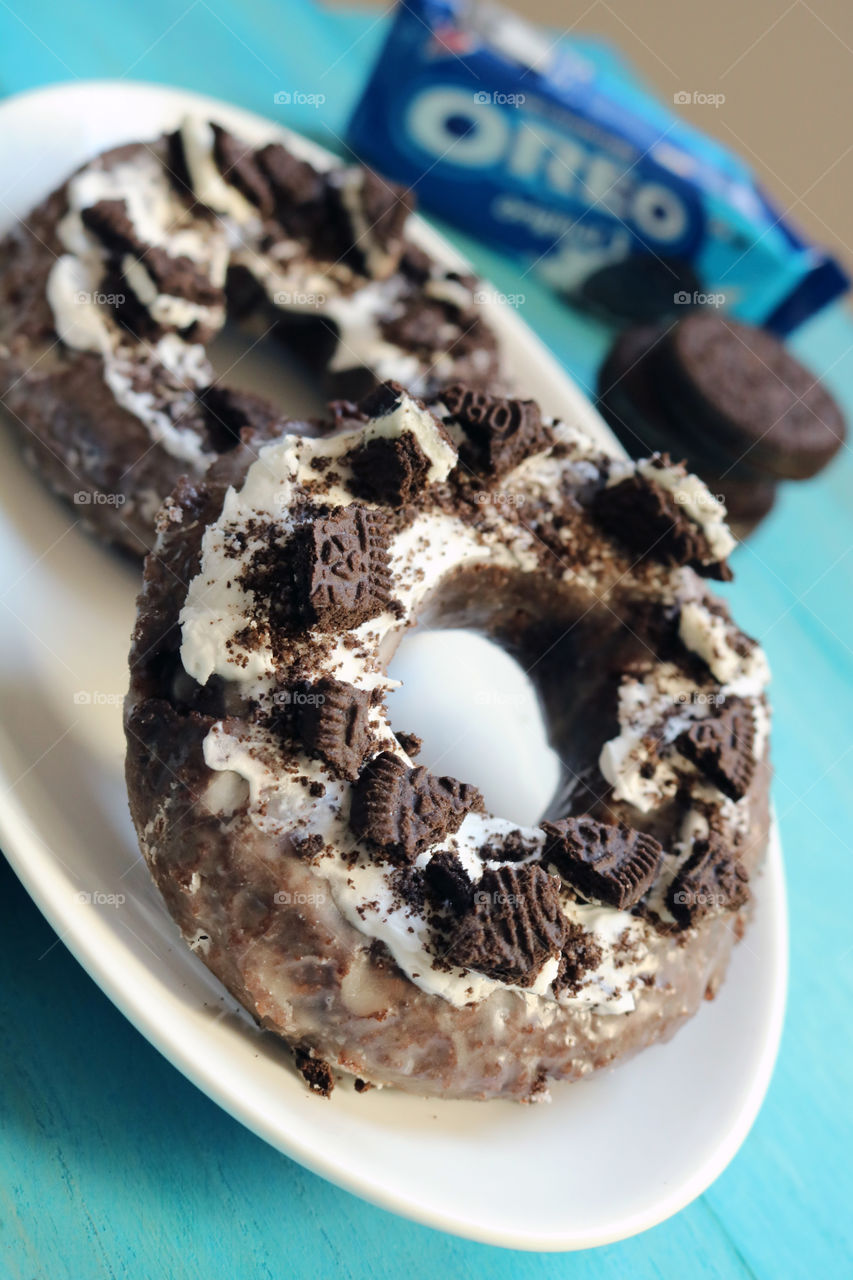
<point x="727" y="397"/>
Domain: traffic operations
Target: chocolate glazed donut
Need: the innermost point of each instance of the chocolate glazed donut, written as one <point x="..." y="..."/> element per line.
<point x="112" y="289"/>
<point x="367" y="910"/>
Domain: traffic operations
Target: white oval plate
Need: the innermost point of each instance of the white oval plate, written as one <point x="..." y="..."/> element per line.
<point x="609" y="1157"/>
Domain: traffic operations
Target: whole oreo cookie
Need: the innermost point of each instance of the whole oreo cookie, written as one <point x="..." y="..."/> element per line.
<point x="632" y="395"/>
<point x="738" y="391"/>
<point x="639" y="290"/>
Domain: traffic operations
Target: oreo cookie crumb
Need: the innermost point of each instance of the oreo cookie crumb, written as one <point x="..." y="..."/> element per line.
<point x="337" y="573"/>
<point x="332" y="721"/>
<point x="644" y="516"/>
<point x="514" y="925"/>
<point x="318" y="1075"/>
<point x="237" y="164"/>
<point x="390" y="471"/>
<point x="502" y="432"/>
<point x="403" y="811"/>
<point x="581" y="954"/>
<point x="613" y="864"/>
<point x="110" y="222"/>
<point x="448" y="881"/>
<point x="710" y="880"/>
<point x="722" y="747"/>
<point x="411" y="744"/>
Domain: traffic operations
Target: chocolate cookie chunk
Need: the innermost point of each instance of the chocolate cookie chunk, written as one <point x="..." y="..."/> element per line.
<point x="502" y="432"/>
<point x="515" y="924"/>
<point x="581" y="953"/>
<point x="297" y="189"/>
<point x="403" y="811"/>
<point x="604" y="863"/>
<point x="338" y="571"/>
<point x="709" y="881"/>
<point x="392" y="471"/>
<point x="180" y="277"/>
<point x="332" y="720"/>
<point x="741" y="388"/>
<point x="722" y="747"/>
<point x="646" y="517"/>
<point x="448" y="881"/>
<point x="378" y="212"/>
<point x="110" y="221"/>
<point x="237" y="164"/>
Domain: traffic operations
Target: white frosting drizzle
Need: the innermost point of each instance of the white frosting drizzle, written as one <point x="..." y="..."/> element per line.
<point x="711" y="636"/>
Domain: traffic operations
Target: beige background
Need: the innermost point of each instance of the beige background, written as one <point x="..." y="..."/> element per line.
<point x="785" y="67"/>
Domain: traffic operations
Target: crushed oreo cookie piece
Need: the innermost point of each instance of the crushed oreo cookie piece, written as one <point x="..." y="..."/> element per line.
<point x="512" y="847"/>
<point x="308" y="846"/>
<point x="391" y="471"/>
<point x="237" y="164"/>
<point x="710" y="880"/>
<point x="581" y="954"/>
<point x="515" y="924"/>
<point x="722" y="746"/>
<point x="411" y="744"/>
<point x="613" y="864"/>
<point x="296" y="185"/>
<point x="181" y="278"/>
<point x="448" y="881"/>
<point x="382" y="399"/>
<point x="646" y="517"/>
<point x="110" y="222"/>
<point x="384" y="208"/>
<point x="318" y="1075"/>
<point x="338" y="570"/>
<point x="503" y="432"/>
<point x="403" y="811"/>
<point x="332" y="720"/>
<point x="409" y="886"/>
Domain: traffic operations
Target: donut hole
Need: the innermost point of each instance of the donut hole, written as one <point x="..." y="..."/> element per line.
<point x="260" y="357"/>
<point x="480" y="719"/>
<point x="512" y="683"/>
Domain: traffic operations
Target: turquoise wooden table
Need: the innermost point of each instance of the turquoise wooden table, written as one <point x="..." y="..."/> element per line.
<point x="111" y="1164"/>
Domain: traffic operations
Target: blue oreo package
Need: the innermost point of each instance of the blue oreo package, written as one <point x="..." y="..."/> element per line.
<point x="554" y="152"/>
